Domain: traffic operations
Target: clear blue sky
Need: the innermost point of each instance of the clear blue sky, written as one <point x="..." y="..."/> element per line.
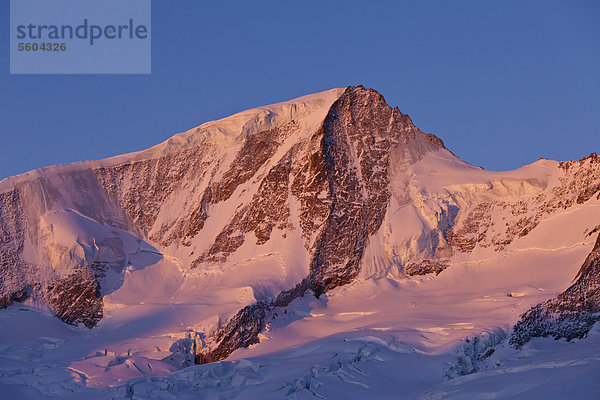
<point x="503" y="83"/>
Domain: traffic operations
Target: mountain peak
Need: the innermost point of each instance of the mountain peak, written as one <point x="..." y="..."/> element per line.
<point x="334" y="199"/>
<point x="236" y="127"/>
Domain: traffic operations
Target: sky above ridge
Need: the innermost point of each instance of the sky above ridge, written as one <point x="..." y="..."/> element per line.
<point x="502" y="83"/>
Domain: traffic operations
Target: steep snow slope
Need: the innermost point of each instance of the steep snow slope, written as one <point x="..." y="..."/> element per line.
<point x="276" y="227"/>
<point x="139" y="194"/>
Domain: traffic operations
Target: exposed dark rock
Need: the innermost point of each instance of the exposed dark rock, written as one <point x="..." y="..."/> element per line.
<point x="570" y="315"/>
<point x="473" y="229"/>
<point x="596" y="229"/>
<point x="267" y="210"/>
<point x="14" y="279"/>
<point x="337" y="180"/>
<point x="19" y="296"/>
<point x="141" y="187"/>
<point x="77" y="298"/>
<point x="240" y="331"/>
<point x="579" y="183"/>
<point x="343" y="188"/>
<point x="256" y="150"/>
<point x="426" y="267"/>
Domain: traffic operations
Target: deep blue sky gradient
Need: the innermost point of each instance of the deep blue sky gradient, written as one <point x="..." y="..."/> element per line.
<point x="502" y="83"/>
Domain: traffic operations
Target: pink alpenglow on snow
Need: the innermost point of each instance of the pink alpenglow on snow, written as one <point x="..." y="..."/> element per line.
<point x="323" y="246"/>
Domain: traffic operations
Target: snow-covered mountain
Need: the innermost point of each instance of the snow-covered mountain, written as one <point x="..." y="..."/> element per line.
<point x="324" y="219"/>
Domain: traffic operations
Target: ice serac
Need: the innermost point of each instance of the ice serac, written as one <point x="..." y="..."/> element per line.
<point x="342" y="186"/>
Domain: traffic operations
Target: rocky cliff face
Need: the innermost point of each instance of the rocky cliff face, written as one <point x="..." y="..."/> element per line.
<point x="13" y="271"/>
<point x="67" y="232"/>
<point x="570" y="315"/>
<point x="342" y="182"/>
<point x="38" y="258"/>
<point x="576" y="183"/>
<point x="320" y="189"/>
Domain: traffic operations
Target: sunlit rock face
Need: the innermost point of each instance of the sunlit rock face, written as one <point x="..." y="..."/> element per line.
<point x="572" y="314"/>
<point x="272" y="203"/>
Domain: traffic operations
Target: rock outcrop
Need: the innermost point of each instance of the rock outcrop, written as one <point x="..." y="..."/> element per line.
<point x="343" y="188"/>
<point x="319" y="184"/>
<point x="570" y="315"/>
<point x="77" y="298"/>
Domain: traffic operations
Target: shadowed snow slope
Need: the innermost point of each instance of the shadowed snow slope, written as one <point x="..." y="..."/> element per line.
<point x="323" y="247"/>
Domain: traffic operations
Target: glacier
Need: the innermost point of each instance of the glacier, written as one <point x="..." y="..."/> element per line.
<point x="323" y="246"/>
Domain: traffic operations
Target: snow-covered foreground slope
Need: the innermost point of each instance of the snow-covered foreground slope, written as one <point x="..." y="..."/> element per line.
<point x="358" y="364"/>
<point x="321" y="247"/>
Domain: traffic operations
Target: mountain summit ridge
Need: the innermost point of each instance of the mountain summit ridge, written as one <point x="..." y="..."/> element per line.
<point x="230" y="129"/>
<point x="234" y="221"/>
